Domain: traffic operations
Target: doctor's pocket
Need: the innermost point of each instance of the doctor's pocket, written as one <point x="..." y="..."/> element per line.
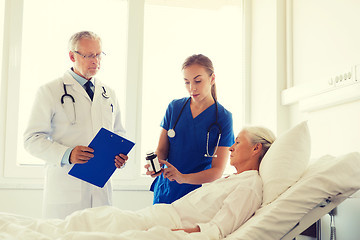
<point x="108" y="115"/>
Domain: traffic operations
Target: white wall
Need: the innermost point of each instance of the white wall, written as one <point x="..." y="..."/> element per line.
<point x="28" y="202"/>
<point x="21" y="201"/>
<point x="268" y="66"/>
<point x="326" y="43"/>
<point x="263" y="63"/>
<point x="326" y="38"/>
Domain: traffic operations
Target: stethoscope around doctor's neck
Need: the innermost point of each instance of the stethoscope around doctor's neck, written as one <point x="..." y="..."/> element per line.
<point x="171" y="132"/>
<point x="104" y="94"/>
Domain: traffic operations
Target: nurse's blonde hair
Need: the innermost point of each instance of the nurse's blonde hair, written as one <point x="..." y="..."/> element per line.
<point x="75" y="39"/>
<point x="256" y="134"/>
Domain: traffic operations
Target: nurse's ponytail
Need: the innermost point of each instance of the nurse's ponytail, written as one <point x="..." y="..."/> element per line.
<point x="213" y="92"/>
<point x="204" y="62"/>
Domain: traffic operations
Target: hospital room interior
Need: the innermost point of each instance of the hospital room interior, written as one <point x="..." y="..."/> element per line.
<point x="278" y="64"/>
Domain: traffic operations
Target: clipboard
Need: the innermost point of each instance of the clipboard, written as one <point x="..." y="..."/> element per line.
<point x="99" y="169"/>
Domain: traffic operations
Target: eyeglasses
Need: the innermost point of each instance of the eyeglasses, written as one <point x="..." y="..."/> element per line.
<point x="91" y="56"/>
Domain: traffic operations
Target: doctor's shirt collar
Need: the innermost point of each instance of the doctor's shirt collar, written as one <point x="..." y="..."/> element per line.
<point x="80" y="79"/>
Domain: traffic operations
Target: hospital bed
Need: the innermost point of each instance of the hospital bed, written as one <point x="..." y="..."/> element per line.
<point x="298" y="191"/>
<point x="325" y="184"/>
<point x="296" y="194"/>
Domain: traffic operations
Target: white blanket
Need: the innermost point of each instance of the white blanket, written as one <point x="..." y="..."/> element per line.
<point x="217" y="208"/>
<point x="103" y="223"/>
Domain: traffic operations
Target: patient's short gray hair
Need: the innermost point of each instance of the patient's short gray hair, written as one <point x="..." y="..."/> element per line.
<point x="261" y="135"/>
<point x="75" y="39"/>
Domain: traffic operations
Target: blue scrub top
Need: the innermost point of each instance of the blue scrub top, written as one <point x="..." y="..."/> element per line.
<point x="188" y="147"/>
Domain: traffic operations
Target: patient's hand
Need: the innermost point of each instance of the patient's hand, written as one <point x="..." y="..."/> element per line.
<point x="172" y="173"/>
<point x="188" y="230"/>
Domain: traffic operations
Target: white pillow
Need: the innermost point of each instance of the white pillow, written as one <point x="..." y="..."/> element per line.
<point x="285" y="162"/>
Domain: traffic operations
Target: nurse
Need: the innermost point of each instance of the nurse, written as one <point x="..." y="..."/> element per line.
<point x="67" y="114"/>
<point x="196" y="134"/>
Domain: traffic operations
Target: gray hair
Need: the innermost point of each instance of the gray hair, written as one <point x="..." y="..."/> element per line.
<point x="75" y="39"/>
<point x="261" y="135"/>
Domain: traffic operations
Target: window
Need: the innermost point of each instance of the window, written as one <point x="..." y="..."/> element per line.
<point x="2" y="6"/>
<point x="143" y="63"/>
<point x="46" y="28"/>
<point x="172" y="32"/>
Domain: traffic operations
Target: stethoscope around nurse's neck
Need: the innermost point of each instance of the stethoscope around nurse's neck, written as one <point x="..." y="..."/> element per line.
<point x="66" y="94"/>
<point x="171" y="132"/>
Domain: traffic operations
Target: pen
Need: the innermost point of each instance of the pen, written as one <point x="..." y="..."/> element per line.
<point x="112" y="107"/>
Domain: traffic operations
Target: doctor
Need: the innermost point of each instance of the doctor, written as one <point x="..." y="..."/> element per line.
<point x="67" y="114"/>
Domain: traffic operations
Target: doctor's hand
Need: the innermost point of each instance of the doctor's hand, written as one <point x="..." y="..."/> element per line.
<point x="81" y="154"/>
<point x="120" y="160"/>
<point x="172" y="173"/>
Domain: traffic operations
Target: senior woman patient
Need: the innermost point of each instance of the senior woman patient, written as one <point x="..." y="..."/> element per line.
<point x="229" y="202"/>
<point x="215" y="210"/>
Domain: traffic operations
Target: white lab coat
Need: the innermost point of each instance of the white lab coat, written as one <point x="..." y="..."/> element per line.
<point x="50" y="133"/>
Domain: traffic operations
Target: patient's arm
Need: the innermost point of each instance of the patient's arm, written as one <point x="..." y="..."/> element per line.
<point x="188" y="230"/>
<point x="237" y="208"/>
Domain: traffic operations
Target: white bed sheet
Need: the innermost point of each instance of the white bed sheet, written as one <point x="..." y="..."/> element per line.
<point x="101" y="227"/>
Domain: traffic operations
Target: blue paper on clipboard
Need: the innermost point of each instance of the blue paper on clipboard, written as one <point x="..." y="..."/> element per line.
<point x="99" y="169"/>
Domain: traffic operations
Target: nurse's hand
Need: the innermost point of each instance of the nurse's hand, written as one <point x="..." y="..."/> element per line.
<point x="120" y="160"/>
<point x="172" y="173"/>
<point x="81" y="154"/>
<point x="152" y="173"/>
